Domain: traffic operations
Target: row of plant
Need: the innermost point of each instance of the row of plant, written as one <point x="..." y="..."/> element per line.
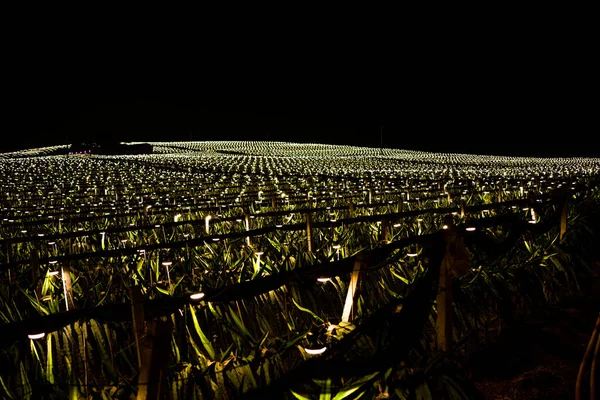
<point x="249" y="338"/>
<point x="246" y="317"/>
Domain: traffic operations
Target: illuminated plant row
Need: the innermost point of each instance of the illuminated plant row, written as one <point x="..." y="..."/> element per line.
<point x="190" y="191"/>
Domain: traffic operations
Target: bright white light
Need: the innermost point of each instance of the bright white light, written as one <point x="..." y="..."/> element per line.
<point x="36" y="336"/>
<point x="315" y="351"/>
<point x="196" y="296"/>
<point x="323" y="279"/>
<point x="445" y="227"/>
<point x="167" y="263"/>
<point x="471" y="228"/>
<point x="411" y="254"/>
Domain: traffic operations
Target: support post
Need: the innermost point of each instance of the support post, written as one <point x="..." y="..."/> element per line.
<point x="247" y="228"/>
<point x="456" y="262"/>
<point x="155" y="357"/>
<point x="563" y="218"/>
<point x="385" y="232"/>
<point x="11" y="271"/>
<point x="309" y="232"/>
<point x="35" y="264"/>
<point x="359" y="264"/>
<point x="65" y="273"/>
<point x="443" y="302"/>
<point x="137" y="312"/>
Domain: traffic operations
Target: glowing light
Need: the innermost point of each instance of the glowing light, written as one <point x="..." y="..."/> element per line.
<point x="196" y="296"/>
<point x="36" y="336"/>
<point x="52" y="273"/>
<point x="323" y="279"/>
<point x="315" y="351"/>
<point x="471" y="228"/>
<point x="167" y="263"/>
<point x="445" y="227"/>
<point x="411" y="254"/>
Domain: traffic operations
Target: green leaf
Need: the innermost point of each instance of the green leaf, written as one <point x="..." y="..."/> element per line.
<point x="49" y="362"/>
<point x="306" y="310"/>
<point x="422" y="392"/>
<point x="6" y="391"/>
<point x="225" y="354"/>
<point x="355" y="386"/>
<point x="163" y="291"/>
<point x="299" y="396"/>
<point x="239" y="323"/>
<point x="325" y="390"/>
<point x="205" y="342"/>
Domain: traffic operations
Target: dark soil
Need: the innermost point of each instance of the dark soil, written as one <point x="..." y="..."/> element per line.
<point x="539" y="357"/>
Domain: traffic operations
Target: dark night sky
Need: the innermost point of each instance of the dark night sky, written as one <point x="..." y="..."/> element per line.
<point x="530" y="95"/>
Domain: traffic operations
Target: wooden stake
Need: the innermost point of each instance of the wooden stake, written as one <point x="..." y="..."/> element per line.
<point x="155" y="357"/>
<point x="35" y="264"/>
<point x="309" y="231"/>
<point x="65" y="273"/>
<point x="137" y="312"/>
<point x="444" y="309"/>
<point x="456" y="262"/>
<point x="247" y="229"/>
<point x="563" y="218"/>
<point x="359" y="264"/>
<point x="11" y="271"/>
<point x="385" y="232"/>
<point x="443" y="301"/>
